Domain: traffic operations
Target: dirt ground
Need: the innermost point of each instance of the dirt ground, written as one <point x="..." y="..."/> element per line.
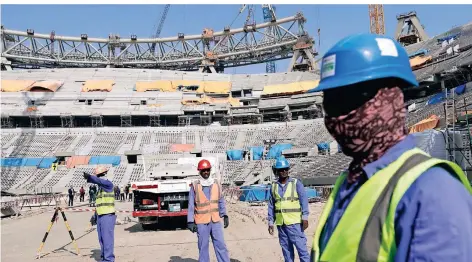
<point x="246" y="237"/>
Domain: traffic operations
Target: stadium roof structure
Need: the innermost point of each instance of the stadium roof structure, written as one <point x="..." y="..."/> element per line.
<point x="449" y="56"/>
<point x="207" y="52"/>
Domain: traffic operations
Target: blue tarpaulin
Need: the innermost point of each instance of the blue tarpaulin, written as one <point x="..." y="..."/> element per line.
<point x="235" y="154"/>
<point x="449" y="37"/>
<point x="260" y="193"/>
<point x="310" y="192"/>
<point x="105" y="160"/>
<point x="38" y="162"/>
<point x="255" y="193"/>
<point x="441" y="96"/>
<point x="436" y="98"/>
<point x="460" y="89"/>
<point x="323" y="146"/>
<point x="419" y="52"/>
<point x="257" y="152"/>
<point x="276" y="150"/>
<point x="47" y="162"/>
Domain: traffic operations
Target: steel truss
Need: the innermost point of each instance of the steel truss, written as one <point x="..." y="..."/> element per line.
<point x="210" y="51"/>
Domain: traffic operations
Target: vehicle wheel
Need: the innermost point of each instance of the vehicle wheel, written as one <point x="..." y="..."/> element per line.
<point x="148" y="226"/>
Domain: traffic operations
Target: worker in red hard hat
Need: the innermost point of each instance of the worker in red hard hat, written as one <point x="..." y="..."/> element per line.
<point x="206" y="207"/>
<point x="105" y="212"/>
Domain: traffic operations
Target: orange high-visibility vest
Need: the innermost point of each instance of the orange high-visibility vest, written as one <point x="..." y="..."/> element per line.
<point x="206" y="210"/>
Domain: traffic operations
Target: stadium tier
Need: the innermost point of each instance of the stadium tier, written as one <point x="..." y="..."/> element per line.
<point x="137" y="121"/>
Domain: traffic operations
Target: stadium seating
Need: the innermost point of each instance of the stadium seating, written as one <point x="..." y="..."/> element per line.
<point x="161" y="147"/>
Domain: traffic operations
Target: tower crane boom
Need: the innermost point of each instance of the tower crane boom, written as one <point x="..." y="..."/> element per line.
<point x="160" y="26"/>
<point x="377" y="23"/>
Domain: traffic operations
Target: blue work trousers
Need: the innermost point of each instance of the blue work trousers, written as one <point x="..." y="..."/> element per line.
<point x="106" y="236"/>
<point x="288" y="237"/>
<point x="215" y="230"/>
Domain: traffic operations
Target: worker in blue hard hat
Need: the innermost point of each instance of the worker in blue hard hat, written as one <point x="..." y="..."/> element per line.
<point x="288" y="209"/>
<point x="394" y="202"/>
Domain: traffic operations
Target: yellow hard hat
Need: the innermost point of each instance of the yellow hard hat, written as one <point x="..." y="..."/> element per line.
<point x="100" y="169"/>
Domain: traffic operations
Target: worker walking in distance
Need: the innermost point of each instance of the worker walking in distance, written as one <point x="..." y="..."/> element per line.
<point x="71" y="192"/>
<point x="394" y="202"/>
<point x="206" y="207"/>
<point x="105" y="209"/>
<point x="288" y="208"/>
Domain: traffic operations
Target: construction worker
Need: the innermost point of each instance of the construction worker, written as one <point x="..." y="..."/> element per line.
<point x="71" y="192"/>
<point x="288" y="207"/>
<point x="206" y="207"/>
<point x="105" y="209"/>
<point x="394" y="202"/>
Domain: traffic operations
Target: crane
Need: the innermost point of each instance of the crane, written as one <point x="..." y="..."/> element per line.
<point x="268" y="12"/>
<point x="377" y="23"/>
<point x="159" y="26"/>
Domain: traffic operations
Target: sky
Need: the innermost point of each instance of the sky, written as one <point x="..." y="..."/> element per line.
<point x="334" y="21"/>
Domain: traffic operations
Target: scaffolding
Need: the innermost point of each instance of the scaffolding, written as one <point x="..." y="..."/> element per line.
<point x="126" y="120"/>
<point x="184" y="120"/>
<point x="205" y="120"/>
<point x="6" y="122"/>
<point x="97" y="120"/>
<point x="36" y="121"/>
<point x="154" y="119"/>
<point x="457" y="129"/>
<point x="240" y="119"/>
<point x="67" y="120"/>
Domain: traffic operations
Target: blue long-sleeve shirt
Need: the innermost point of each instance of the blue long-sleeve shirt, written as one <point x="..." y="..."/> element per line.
<point x="301" y="197"/>
<point x="206" y="191"/>
<point x="105" y="184"/>
<point x="433" y="220"/>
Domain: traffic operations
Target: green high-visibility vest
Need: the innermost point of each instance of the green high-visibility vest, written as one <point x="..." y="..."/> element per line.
<point x="287" y="208"/>
<point x="105" y="202"/>
<point x="366" y="231"/>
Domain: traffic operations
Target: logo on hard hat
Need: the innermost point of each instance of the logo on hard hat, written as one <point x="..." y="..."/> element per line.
<point x="328" y="66"/>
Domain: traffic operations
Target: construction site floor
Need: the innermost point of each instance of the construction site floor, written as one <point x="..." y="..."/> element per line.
<point x="247" y="238"/>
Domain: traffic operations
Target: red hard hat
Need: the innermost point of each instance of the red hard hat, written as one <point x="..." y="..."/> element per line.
<point x="203" y="164"/>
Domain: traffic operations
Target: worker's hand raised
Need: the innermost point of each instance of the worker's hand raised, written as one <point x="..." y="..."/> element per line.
<point x="226" y="221"/>
<point x="305" y="224"/>
<point x="271" y="230"/>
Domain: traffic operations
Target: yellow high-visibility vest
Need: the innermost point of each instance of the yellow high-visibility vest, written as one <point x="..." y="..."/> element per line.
<point x="105" y="202"/>
<point x="288" y="210"/>
<point x="371" y="237"/>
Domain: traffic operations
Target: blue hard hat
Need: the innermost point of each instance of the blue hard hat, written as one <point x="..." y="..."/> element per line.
<point x="364" y="57"/>
<point x="281" y="163"/>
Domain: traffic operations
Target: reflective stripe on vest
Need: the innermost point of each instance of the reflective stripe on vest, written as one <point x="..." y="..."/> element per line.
<point x="105" y="202"/>
<point x="373" y="237"/>
<point x="288" y="210"/>
<point x="206" y="211"/>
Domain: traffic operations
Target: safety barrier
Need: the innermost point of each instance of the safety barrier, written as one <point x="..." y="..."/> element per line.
<point x="33" y="201"/>
<point x="38" y="200"/>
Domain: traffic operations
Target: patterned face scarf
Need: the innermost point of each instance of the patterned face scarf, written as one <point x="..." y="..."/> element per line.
<point x="367" y="132"/>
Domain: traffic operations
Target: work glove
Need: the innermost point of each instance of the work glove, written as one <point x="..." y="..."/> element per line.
<point x="305" y="224"/>
<point x="93" y="220"/>
<point x="86" y="175"/>
<point x="271" y="230"/>
<point x="226" y="221"/>
<point x="192" y="227"/>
